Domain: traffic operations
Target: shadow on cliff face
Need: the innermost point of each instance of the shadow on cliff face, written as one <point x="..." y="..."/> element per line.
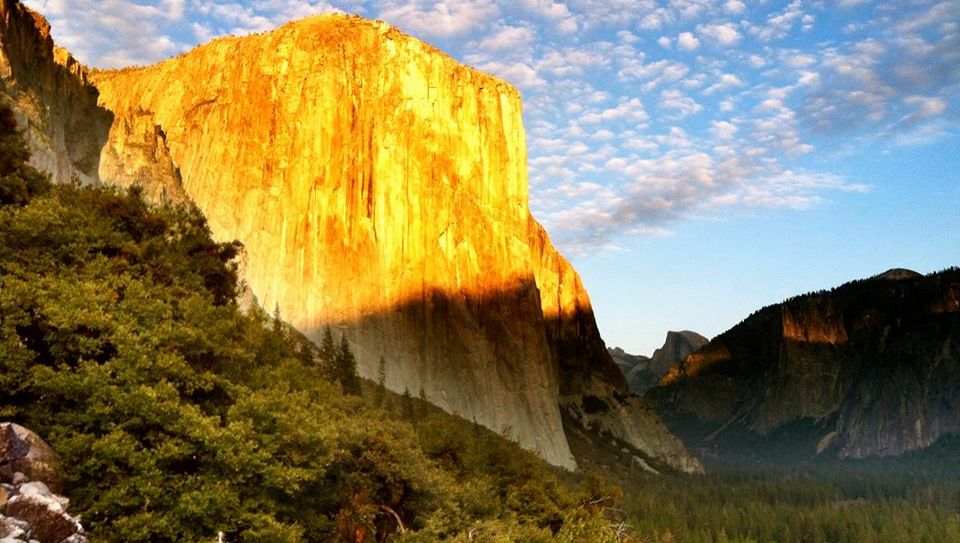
<point x="491" y="358"/>
<point x="503" y="333"/>
<point x="67" y="135"/>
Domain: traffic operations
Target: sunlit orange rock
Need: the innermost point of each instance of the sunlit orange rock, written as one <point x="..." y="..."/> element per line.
<point x="379" y="187"/>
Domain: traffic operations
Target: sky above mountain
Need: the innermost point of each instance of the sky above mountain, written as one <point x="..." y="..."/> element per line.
<point x="696" y="159"/>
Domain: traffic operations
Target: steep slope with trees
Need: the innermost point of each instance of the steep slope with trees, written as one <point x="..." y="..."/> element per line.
<point x="177" y="416"/>
<point x="871" y="368"/>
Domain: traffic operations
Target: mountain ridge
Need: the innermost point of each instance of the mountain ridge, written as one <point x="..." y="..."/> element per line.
<point x="643" y="372"/>
<point x="868" y="368"/>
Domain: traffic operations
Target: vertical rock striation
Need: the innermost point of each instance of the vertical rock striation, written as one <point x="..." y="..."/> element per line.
<point x="49" y="92"/>
<point x="379" y="187"/>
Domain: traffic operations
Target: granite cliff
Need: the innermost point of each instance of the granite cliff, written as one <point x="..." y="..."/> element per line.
<point x="643" y="372"/>
<point x="676" y="347"/>
<point x="379" y="187"/>
<point x="49" y="92"/>
<point x="636" y="369"/>
<point x="871" y="368"/>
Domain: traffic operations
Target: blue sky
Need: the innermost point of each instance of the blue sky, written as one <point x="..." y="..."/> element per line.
<point x="696" y="159"/>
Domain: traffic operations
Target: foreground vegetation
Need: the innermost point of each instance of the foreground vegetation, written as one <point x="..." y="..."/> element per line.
<point x="178" y="416"/>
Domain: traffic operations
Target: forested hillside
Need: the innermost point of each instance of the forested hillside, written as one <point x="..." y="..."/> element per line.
<point x="178" y="416"/>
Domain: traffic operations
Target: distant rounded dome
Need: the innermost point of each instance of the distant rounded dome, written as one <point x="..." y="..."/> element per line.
<point x="898" y="274"/>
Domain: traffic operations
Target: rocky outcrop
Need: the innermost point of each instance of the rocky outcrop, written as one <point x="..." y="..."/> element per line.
<point x="378" y="187"/>
<point x="29" y="510"/>
<point x="633" y="421"/>
<point x="871" y="368"/>
<point x="643" y="373"/>
<point x="48" y="90"/>
<point x="676" y="347"/>
<point x="22" y="451"/>
<point x="635" y="368"/>
<point x="626" y="361"/>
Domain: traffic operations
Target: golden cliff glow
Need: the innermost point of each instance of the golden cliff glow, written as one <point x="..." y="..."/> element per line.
<point x="379" y="187"/>
<point x="402" y="179"/>
<point x="814" y="325"/>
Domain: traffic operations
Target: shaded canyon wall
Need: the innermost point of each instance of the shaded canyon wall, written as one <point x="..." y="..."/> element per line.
<point x="871" y="368"/>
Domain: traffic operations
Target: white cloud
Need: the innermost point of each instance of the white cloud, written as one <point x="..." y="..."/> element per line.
<point x="800" y="60"/>
<point x="926" y="106"/>
<point x="627" y="37"/>
<point x="630" y="110"/>
<point x="557" y="11"/>
<point x="127" y="32"/>
<point x="654" y="20"/>
<point x="518" y="73"/>
<point x="778" y="25"/>
<point x="602" y="135"/>
<point x="734" y="6"/>
<point x="947" y="10"/>
<point x="655" y="73"/>
<point x="439" y="18"/>
<point x="507" y="37"/>
<point x="546" y="8"/>
<point x="203" y="32"/>
<point x="673" y="99"/>
<point x="664" y="42"/>
<point x="723" y="34"/>
<point x="920" y="134"/>
<point x="687" y="41"/>
<point x="808" y="79"/>
<point x="725" y="82"/>
<point x="723" y="130"/>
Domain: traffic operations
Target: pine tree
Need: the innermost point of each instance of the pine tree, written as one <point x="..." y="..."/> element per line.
<point x="346" y="368"/>
<point x="328" y="354"/>
<point x="19" y="181"/>
<point x="380" y="392"/>
<point x="422" y="404"/>
<point x="276" y="318"/>
<point x="406" y="405"/>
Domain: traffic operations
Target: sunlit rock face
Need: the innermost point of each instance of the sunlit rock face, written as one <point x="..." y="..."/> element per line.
<point x="871" y="368"/>
<point x="379" y="187"/>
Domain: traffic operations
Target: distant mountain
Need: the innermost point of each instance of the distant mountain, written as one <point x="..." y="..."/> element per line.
<point x="643" y="372"/>
<point x="676" y="348"/>
<point x="626" y="361"/>
<point x="871" y="368"/>
<point x="636" y="368"/>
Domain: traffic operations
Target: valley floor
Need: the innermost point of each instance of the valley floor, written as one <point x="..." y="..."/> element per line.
<point x="865" y="502"/>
